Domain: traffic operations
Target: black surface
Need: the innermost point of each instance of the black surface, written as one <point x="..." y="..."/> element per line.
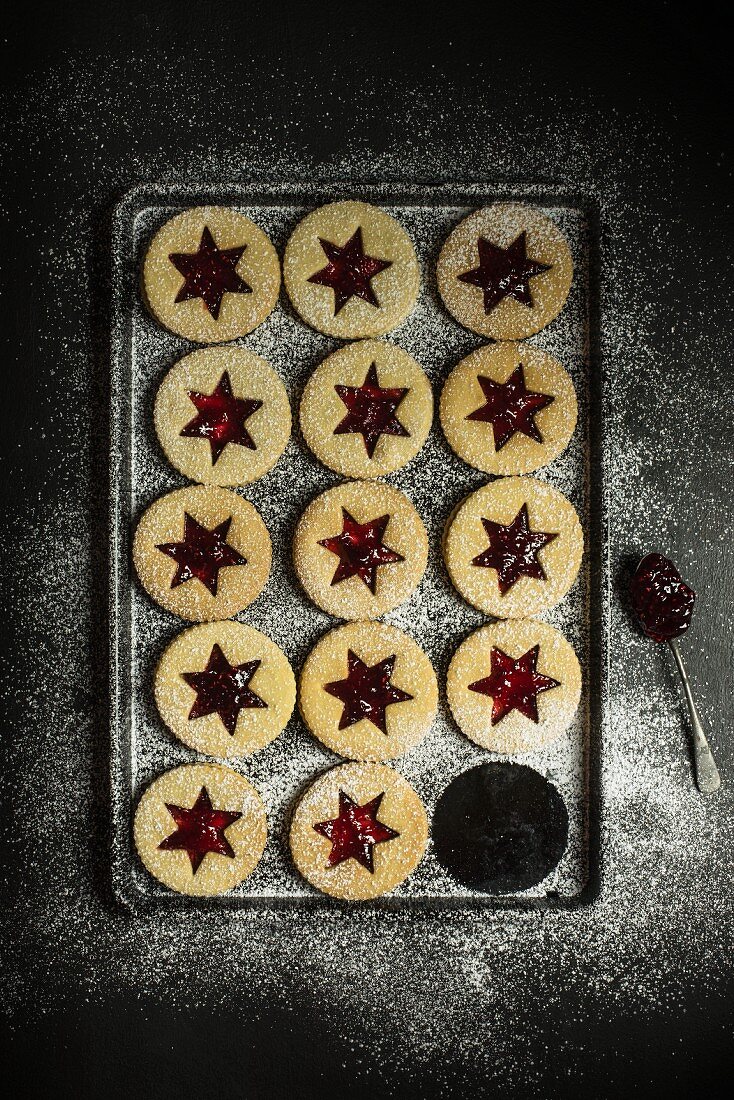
<point x="500" y="828"/>
<point x="100" y="96"/>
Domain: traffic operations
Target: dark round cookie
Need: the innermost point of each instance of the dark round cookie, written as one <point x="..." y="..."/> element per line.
<point x="500" y="828"/>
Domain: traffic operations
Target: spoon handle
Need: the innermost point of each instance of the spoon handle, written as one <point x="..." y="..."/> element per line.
<point x="705" y="770"/>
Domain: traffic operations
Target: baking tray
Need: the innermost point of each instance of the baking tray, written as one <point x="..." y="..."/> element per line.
<point x="436" y="616"/>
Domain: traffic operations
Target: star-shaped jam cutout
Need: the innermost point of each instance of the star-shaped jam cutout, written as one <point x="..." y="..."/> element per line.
<point x="349" y="271"/>
<point x="200" y="830"/>
<point x="221" y="417"/>
<point x="371" y="410"/>
<point x="355" y="832"/>
<point x="360" y="549"/>
<point x="510" y="407"/>
<point x="202" y="553"/>
<point x="514" y="684"/>
<point x="504" y="272"/>
<point x="367" y="691"/>
<point x="513" y="550"/>
<point x="223" y="689"/>
<point x="209" y="273"/>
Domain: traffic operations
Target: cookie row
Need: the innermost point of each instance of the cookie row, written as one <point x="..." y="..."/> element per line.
<point x="223" y="418"/>
<point x="357" y="832"/>
<point x="350" y="269"/>
<point x="512" y="549"/>
<point x="367" y="691"/>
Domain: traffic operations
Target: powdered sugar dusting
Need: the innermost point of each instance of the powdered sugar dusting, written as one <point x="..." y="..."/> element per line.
<point x="448" y="992"/>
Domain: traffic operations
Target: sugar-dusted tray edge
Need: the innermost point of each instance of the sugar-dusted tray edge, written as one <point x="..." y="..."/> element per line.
<point x="314" y="193"/>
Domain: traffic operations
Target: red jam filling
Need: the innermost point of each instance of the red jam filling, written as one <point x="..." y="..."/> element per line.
<point x="504" y="272"/>
<point x="202" y="553"/>
<point x="349" y="271"/>
<point x="223" y="689"/>
<point x="514" y="684"/>
<point x="209" y="273"/>
<point x="221" y="417"/>
<point x="513" y="550"/>
<point x="510" y="407"/>
<point x="200" y="830"/>
<point x="371" y="410"/>
<point x="367" y="691"/>
<point x="360" y="549"/>
<point x="355" y="832"/>
<point x="661" y="599"/>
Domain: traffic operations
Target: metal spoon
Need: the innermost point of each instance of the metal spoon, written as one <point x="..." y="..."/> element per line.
<point x="663" y="604"/>
<point x="705" y="771"/>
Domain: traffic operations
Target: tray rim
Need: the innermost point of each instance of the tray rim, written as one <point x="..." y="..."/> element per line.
<point x="280" y="192"/>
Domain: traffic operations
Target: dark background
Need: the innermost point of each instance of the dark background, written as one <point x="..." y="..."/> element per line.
<point x="630" y="102"/>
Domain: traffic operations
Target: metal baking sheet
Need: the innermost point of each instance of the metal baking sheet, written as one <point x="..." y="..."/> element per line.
<point x="436" y="616"/>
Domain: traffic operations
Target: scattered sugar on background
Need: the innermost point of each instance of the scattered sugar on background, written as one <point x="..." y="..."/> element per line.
<point x="665" y="913"/>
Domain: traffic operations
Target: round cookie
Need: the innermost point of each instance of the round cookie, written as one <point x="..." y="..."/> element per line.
<point x="500" y="828"/>
<point x="358" y="831"/>
<point x="508" y="408"/>
<point x="367" y="409"/>
<point x="200" y="829"/>
<point x="368" y="692"/>
<point x="514" y="686"/>
<point x="505" y="271"/>
<point x="211" y="275"/>
<point x="514" y="547"/>
<point x="350" y="270"/>
<point x="222" y="416"/>
<point x="224" y="689"/>
<point x="360" y="549"/>
<point x="202" y="552"/>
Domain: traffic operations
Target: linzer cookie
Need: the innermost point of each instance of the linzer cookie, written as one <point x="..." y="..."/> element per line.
<point x="211" y="275"/>
<point x="505" y="271"/>
<point x="368" y="691"/>
<point x="350" y="270"/>
<point x="358" y="831"/>
<point x="514" y="547"/>
<point x="200" y="829"/>
<point x="360" y="549"/>
<point x="222" y="416"/>
<point x="367" y="409"/>
<point x="224" y="689"/>
<point x="514" y="686"/>
<point x="202" y="552"/>
<point x="508" y="408"/>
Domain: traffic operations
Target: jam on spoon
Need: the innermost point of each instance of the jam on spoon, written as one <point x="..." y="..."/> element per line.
<point x="661" y="599"/>
<point x="663" y="604"/>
